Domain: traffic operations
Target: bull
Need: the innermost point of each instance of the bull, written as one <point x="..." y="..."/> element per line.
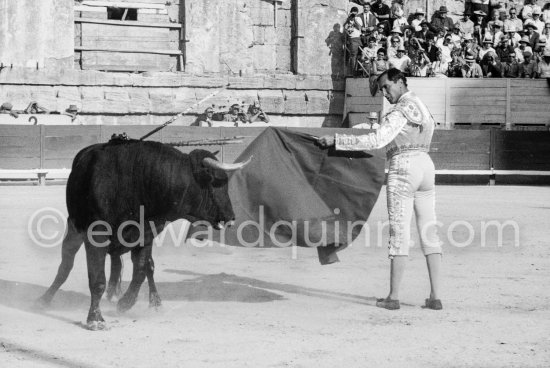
<point x="115" y="185"/>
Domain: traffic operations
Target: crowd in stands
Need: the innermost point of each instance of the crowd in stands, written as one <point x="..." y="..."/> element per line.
<point x="491" y="40"/>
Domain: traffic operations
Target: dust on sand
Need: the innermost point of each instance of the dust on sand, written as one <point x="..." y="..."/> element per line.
<point x="240" y="307"/>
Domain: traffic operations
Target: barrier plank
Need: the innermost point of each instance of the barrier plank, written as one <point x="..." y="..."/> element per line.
<point x="62" y="143"/>
<point x="522" y="150"/>
<point x="19" y="147"/>
<point x="461" y="149"/>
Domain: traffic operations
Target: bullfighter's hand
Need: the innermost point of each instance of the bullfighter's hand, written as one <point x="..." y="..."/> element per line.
<point x="326" y="141"/>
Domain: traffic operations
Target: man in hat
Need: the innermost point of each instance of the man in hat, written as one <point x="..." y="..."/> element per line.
<point x="471" y="69"/>
<point x="487" y="47"/>
<point x="465" y="25"/>
<point x="543" y="69"/>
<point x="401" y="61"/>
<point x="480" y="19"/>
<point x="441" y="20"/>
<point x="423" y="35"/>
<point x="513" y="23"/>
<point x="235" y="115"/>
<point x="530" y="32"/>
<point x="527" y="67"/>
<point x="419" y="16"/>
<point x="256" y="113"/>
<point x="524" y="45"/>
<point x="469" y="47"/>
<point x="529" y="8"/>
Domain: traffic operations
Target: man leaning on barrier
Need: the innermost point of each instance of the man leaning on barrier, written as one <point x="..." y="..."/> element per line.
<point x="406" y="133"/>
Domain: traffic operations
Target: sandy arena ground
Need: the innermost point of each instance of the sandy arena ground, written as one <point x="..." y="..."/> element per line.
<point x="239" y="307"/>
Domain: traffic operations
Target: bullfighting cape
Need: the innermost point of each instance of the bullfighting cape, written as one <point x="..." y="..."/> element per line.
<point x="296" y="193"/>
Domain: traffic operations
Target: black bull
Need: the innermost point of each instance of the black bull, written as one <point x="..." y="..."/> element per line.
<point x="115" y="184"/>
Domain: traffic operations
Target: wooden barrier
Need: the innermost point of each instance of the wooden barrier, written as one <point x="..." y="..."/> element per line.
<point x="40" y="152"/>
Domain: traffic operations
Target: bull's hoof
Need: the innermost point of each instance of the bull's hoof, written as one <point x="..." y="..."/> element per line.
<point x="125" y="303"/>
<point x="96" y="325"/>
<point x="112" y="298"/>
<point x="41" y="303"/>
<point x="155" y="301"/>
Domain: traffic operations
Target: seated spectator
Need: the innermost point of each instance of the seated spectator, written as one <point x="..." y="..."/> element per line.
<point x="495" y="19"/>
<point x="440" y="20"/>
<point x="546" y="33"/>
<point x="465" y="25"/>
<point x="446" y="48"/>
<point x="420" y="66"/>
<point x="469" y="47"/>
<point x="398" y="19"/>
<point x="478" y="35"/>
<point x="381" y="10"/>
<point x="497" y="34"/>
<point x="419" y="17"/>
<point x="431" y="50"/>
<point x="456" y="37"/>
<point x="514" y="38"/>
<point x="205" y="120"/>
<point x="511" y="67"/>
<point x="393" y="47"/>
<point x="369" y="52"/>
<point x="401" y="61"/>
<point x="381" y="64"/>
<point x="479" y="19"/>
<point x="395" y="33"/>
<point x="455" y="65"/>
<point x="491" y="66"/>
<point x="440" y="67"/>
<point x="546" y="13"/>
<point x="471" y="69"/>
<point x="423" y="35"/>
<point x="486" y="48"/>
<point x="255" y="113"/>
<point x="513" y="22"/>
<point x="480" y="6"/>
<point x="531" y="34"/>
<point x="235" y="115"/>
<point x="382" y="29"/>
<point x="528" y="9"/>
<point x="528" y="67"/>
<point x="538" y="22"/>
<point x="504" y="48"/>
<point x="524" y="45"/>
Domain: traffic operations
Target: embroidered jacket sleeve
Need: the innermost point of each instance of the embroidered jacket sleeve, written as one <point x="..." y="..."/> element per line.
<point x="391" y="126"/>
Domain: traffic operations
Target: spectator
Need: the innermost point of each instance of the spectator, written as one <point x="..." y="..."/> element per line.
<point x="419" y="17"/>
<point x="478" y="35"/>
<point x="420" y="66"/>
<point x="395" y="33"/>
<point x="497" y="34"/>
<point x="369" y="52"/>
<point x="470" y="47"/>
<point x="394" y="46"/>
<point x="528" y="9"/>
<point x="381" y="10"/>
<point x="494" y="19"/>
<point x="205" y="120"/>
<point x="523" y="46"/>
<point x="369" y="23"/>
<point x="399" y="21"/>
<point x="543" y="69"/>
<point x="256" y="113"/>
<point x="401" y="61"/>
<point x="531" y="34"/>
<point x="380" y="34"/>
<point x="423" y="35"/>
<point x="514" y="38"/>
<point x="479" y="19"/>
<point x="504" y="48"/>
<point x="446" y="49"/>
<point x="511" y="68"/>
<point x="440" y="67"/>
<point x="381" y="64"/>
<point x="465" y="25"/>
<point x="546" y="33"/>
<point x="546" y="13"/>
<point x="471" y="69"/>
<point x="492" y="68"/>
<point x="431" y="50"/>
<point x="487" y="42"/>
<point x="456" y="38"/>
<point x="528" y="67"/>
<point x="455" y="65"/>
<point x="440" y="20"/>
<point x="537" y="22"/>
<point x="513" y="23"/>
<point x="353" y="27"/>
<point x="235" y="115"/>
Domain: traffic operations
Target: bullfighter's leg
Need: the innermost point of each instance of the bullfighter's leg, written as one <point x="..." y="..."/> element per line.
<point x="140" y="256"/>
<point x="71" y="244"/>
<point x="154" y="298"/>
<point x="95" y="257"/>
<point x="114" y="288"/>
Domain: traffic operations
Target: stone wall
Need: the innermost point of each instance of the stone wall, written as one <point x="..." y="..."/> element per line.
<point x="152" y="98"/>
<point x="37" y="33"/>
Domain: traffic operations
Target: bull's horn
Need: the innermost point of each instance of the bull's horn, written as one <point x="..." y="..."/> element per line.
<point x="225" y="167"/>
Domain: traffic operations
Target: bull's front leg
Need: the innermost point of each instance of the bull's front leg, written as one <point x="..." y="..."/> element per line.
<point x="140" y="257"/>
<point x="95" y="257"/>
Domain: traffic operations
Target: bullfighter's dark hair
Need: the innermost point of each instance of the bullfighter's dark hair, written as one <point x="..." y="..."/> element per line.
<point x="394" y="75"/>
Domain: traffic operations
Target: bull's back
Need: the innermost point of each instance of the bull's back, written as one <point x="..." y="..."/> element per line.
<point x="114" y="181"/>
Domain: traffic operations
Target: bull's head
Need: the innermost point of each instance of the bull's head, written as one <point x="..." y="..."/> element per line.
<point x="211" y="175"/>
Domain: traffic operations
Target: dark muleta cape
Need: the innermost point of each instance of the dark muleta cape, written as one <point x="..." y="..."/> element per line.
<point x="297" y="193"/>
